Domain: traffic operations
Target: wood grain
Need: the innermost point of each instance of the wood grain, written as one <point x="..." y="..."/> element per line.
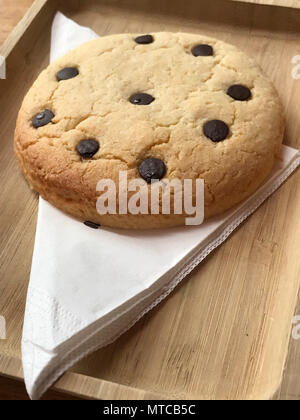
<point x="11" y="12"/>
<point x="34" y="14"/>
<point x="225" y="331"/>
<point x="15" y="390"/>
<point x="284" y="3"/>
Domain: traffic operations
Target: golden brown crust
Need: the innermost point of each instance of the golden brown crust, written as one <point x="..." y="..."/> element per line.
<point x="188" y="92"/>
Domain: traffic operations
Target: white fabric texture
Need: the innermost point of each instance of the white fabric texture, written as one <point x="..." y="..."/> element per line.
<point x="87" y="286"/>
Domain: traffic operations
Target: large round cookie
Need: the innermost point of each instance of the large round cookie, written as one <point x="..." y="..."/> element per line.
<point x="199" y="105"/>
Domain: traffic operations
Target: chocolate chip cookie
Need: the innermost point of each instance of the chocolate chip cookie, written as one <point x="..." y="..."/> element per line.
<point x="159" y="106"/>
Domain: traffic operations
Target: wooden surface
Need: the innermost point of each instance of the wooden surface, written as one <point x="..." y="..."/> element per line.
<point x="285" y="3"/>
<point x="15" y="390"/>
<point x="225" y="331"/>
<point x="11" y="12"/>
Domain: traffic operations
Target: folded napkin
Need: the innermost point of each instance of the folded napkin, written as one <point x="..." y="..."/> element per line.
<point x="88" y="286"/>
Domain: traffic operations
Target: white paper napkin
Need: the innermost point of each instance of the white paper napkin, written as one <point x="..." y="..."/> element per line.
<point x="88" y="286"/>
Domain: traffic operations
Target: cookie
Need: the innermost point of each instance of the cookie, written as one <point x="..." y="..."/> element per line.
<point x="160" y="106"/>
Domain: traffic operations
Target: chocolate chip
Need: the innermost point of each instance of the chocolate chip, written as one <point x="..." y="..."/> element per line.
<point x="239" y="92"/>
<point x="202" y="50"/>
<point x="92" y="225"/>
<point x="67" y="73"/>
<point x="144" y="39"/>
<point x="141" y="99"/>
<point x="152" y="169"/>
<point x="42" y="118"/>
<point x="216" y="130"/>
<point x="88" y="148"/>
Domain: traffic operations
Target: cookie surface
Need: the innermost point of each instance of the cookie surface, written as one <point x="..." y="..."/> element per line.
<point x="180" y="105"/>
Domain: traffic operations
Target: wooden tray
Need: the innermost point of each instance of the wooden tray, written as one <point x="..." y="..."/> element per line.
<point x="225" y="333"/>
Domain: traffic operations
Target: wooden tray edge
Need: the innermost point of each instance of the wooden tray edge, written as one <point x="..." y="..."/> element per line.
<point x="40" y="6"/>
<point x="87" y="387"/>
<point x="82" y="386"/>
<point x="33" y="13"/>
<point x="295" y="4"/>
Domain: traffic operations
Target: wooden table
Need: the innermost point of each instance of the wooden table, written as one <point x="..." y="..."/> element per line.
<point x="11" y="12"/>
